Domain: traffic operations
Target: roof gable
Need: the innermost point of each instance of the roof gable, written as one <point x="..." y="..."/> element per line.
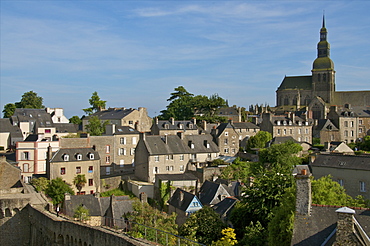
<point x="296" y="82"/>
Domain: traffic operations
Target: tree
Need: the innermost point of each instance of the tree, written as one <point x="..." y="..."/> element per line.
<point x="79" y="181"/>
<point x="179" y="93"/>
<point x="238" y="170"/>
<point x="75" y="120"/>
<point x="259" y="140"/>
<point x="95" y="127"/>
<point x="30" y="100"/>
<point x="81" y="213"/>
<point x="203" y="226"/>
<point x="144" y="214"/>
<point x="40" y="184"/>
<point x="228" y="239"/>
<point x="57" y="189"/>
<point x="9" y="110"/>
<point x="96" y="104"/>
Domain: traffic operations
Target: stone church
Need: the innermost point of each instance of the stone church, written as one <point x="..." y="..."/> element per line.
<point x="316" y="92"/>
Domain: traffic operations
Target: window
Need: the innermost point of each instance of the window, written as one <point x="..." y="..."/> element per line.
<point x="156" y="170"/>
<point x="352" y="124"/>
<point x="26" y="155"/>
<point x="167" y="168"/>
<point x="62" y="171"/>
<point x="122" y="140"/>
<point x="167" y="157"/>
<point x="226" y="150"/>
<point x="107" y="149"/>
<point x="91" y="182"/>
<point x="346" y="133"/>
<point x="47" y="130"/>
<point x="226" y="134"/>
<point x="307" y="131"/>
<point x="26" y="168"/>
<point x="132" y="151"/>
<point x="91" y="192"/>
<point x="107" y="159"/>
<point x="195" y="204"/>
<point x="121" y="151"/>
<point x="181" y="168"/>
<point x="130" y="122"/>
<point x="299" y="131"/>
<point x="226" y="141"/>
<point x="171" y="168"/>
<point x="362" y="186"/>
<point x="181" y="157"/>
<point x="360" y="122"/>
<point x="352" y="134"/>
<point x="91" y="169"/>
<point x="194" y="156"/>
<point x="91" y="156"/>
<point x="359" y="130"/>
<point x="156" y="158"/>
<point x="278" y="131"/>
<point x="133" y="162"/>
<point x="79" y="157"/>
<point x="346" y="123"/>
<point x="209" y="155"/>
<point x="284" y="131"/>
<point x="78" y="169"/>
<point x="107" y="170"/>
<point x="233" y="151"/>
<point x="121" y="163"/>
<point x="66" y="157"/>
<point x="134" y="140"/>
<point x="290" y="131"/>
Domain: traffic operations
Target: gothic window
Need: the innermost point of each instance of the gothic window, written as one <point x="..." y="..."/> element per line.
<point x="286" y="101"/>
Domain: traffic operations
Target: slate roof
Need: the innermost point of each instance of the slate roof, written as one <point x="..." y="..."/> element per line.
<point x="112" y="113"/>
<point x="6" y="126"/>
<point x="225" y="206"/>
<point x="175" y="145"/>
<point x="280" y="140"/>
<point x="176" y="177"/>
<point x="72" y="152"/>
<point x="167" y="125"/>
<point x="210" y="191"/>
<point x="296" y="82"/>
<point x="221" y="128"/>
<point x="361" y="162"/>
<point x="66" y="127"/>
<point x="245" y="125"/>
<point x="315" y="229"/>
<point x="123" y="130"/>
<point x="39" y="117"/>
<point x="176" y="202"/>
<point x="326" y="124"/>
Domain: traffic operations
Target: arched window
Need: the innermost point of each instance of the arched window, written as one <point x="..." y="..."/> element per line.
<point x="26" y="167"/>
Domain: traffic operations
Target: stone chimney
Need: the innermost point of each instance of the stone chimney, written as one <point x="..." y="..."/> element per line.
<point x="303" y="195"/>
<point x="204" y="125"/>
<point x="172" y="120"/>
<point x="345" y="227"/>
<point x="156" y="120"/>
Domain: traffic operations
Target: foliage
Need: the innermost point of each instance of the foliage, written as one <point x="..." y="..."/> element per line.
<point x="259" y="140"/>
<point x="75" y="120"/>
<point x="9" y="110"/>
<point x="280" y="228"/>
<point x="325" y="191"/>
<point x="30" y="100"/>
<point x="81" y="213"/>
<point x="184" y="105"/>
<point x="365" y="144"/>
<point x="165" y="192"/>
<point x="79" y="181"/>
<point x="203" y="226"/>
<point x="56" y="190"/>
<point x="96" y="104"/>
<point x="95" y="127"/>
<point x="228" y="239"/>
<point x="116" y="192"/>
<point x="40" y="184"/>
<point x="238" y="170"/>
<point x="217" y="162"/>
<point x="315" y="141"/>
<point x="144" y="214"/>
<point x="255" y="235"/>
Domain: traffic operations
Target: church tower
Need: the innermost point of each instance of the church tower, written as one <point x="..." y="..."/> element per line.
<point x="323" y="74"/>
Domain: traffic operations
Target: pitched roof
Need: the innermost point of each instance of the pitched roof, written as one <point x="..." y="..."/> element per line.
<point x="39" y="117"/>
<point x="176" y="125"/>
<point x="245" y="125"/>
<point x="72" y="153"/>
<point x="210" y="191"/>
<point x="181" y="199"/>
<point x="123" y="130"/>
<point x="112" y="113"/>
<point x="361" y="162"/>
<point x="296" y="82"/>
<point x="6" y="126"/>
<point x="66" y="127"/>
<point x="326" y="124"/>
<point x="176" y="177"/>
<point x="225" y="206"/>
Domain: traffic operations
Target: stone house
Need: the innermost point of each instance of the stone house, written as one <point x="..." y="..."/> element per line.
<point x="326" y="131"/>
<point x="350" y="171"/>
<point x="212" y="193"/>
<point x="31" y="155"/>
<point x="346" y="121"/>
<point x="245" y="130"/>
<point x="183" y="204"/>
<point x="338" y="147"/>
<point x="134" y="118"/>
<point x="327" y="225"/>
<point x="300" y="128"/>
<point x="227" y="139"/>
<point x="173" y="127"/>
<point x="230" y="113"/>
<point x="172" y="154"/>
<point x="9" y="134"/>
<point x="67" y="163"/>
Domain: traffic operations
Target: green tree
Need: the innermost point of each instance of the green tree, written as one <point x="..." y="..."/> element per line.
<point x="79" y="181"/>
<point x="75" y="120"/>
<point x="238" y="170"/>
<point x="95" y="127"/>
<point x="30" y="100"/>
<point x="179" y="93"/>
<point x="9" y="110"/>
<point x="81" y="213"/>
<point x="40" y="184"/>
<point x="365" y="145"/>
<point x="144" y="214"/>
<point x="259" y="140"/>
<point x="255" y="235"/>
<point x="96" y="104"/>
<point x="56" y="190"/>
<point x="203" y="226"/>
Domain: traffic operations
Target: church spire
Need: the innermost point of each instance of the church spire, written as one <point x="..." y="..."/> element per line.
<point x="323" y="60"/>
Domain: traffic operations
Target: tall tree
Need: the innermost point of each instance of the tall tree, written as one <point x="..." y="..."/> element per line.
<point x="259" y="140"/>
<point x="56" y="190"/>
<point x="30" y="100"/>
<point x="179" y="93"/>
<point x="75" y="120"/>
<point x="96" y="104"/>
<point x="95" y="127"/>
<point x="203" y="226"/>
<point x="79" y="181"/>
<point x="9" y="110"/>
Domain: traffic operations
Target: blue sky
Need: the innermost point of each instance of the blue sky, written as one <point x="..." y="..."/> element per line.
<point x="134" y="53"/>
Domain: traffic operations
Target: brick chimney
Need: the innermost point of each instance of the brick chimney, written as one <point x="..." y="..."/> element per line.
<point x="303" y="195"/>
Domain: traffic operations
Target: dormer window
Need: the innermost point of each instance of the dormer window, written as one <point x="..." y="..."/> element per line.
<point x="66" y="157"/>
<point x="91" y="156"/>
<point x="79" y="157"/>
<point x="190" y="126"/>
<point x="284" y="123"/>
<point x="181" y="126"/>
<point x="278" y="122"/>
<point x="166" y="126"/>
<point x="290" y="123"/>
<point x="306" y="123"/>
